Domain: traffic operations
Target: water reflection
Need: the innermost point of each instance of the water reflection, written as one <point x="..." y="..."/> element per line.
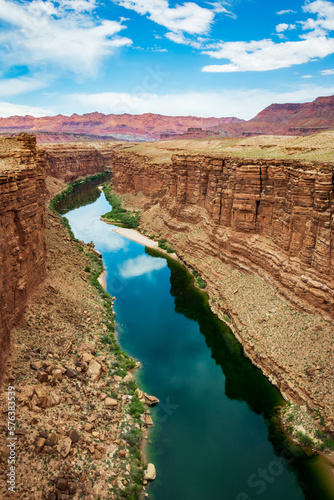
<point x="143" y="264"/>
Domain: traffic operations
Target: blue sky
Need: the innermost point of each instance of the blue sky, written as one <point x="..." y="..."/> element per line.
<point x="205" y="58"/>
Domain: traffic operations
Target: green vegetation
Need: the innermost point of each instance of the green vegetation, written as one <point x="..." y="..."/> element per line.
<point x="136" y="407"/>
<point x="69" y="189"/>
<point x="304" y="438"/>
<point x="165" y="246"/>
<point x="119" y="215"/>
<point x="200" y="283"/>
<point x="227" y="319"/>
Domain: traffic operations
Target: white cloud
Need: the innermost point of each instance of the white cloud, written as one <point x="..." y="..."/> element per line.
<point x="181" y="39"/>
<point x="325" y="15"/>
<point x="326" y="72"/>
<point x="144" y="264"/>
<point x="283" y="27"/>
<point x="15" y="86"/>
<point x="8" y="109"/>
<point x="230" y="102"/>
<point x="288" y="11"/>
<point x="63" y="35"/>
<point x="218" y="8"/>
<point x="189" y="17"/>
<point x="307" y="76"/>
<point x="265" y="55"/>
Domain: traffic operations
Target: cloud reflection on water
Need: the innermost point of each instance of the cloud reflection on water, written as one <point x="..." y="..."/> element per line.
<point x="143" y="264"/>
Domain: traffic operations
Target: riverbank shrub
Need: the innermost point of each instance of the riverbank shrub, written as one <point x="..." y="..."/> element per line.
<point x="136" y="407"/>
<point x="117" y="214"/>
<point x="165" y="246"/>
<point x="200" y="283"/>
<point x="69" y="189"/>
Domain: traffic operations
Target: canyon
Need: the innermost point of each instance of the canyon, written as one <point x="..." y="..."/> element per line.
<point x="264" y="214"/>
<point x="270" y="221"/>
<point x="258" y="231"/>
<point x="54" y="314"/>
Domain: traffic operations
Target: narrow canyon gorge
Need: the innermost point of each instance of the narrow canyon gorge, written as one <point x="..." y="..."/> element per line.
<point x="258" y="232"/>
<point x="268" y="221"/>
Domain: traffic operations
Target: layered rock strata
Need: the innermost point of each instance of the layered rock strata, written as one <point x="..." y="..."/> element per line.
<point x="22" y="235"/>
<point x="274" y="217"/>
<point x="70" y="161"/>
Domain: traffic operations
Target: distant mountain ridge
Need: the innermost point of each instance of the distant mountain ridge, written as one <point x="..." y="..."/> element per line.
<point x="144" y="127"/>
<point x="290" y="119"/>
<point x="276" y="119"/>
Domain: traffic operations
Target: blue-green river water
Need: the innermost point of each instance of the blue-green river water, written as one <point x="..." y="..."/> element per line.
<point x="216" y="434"/>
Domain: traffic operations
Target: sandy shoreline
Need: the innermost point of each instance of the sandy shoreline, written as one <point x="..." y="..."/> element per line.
<point x="134" y="235"/>
<point x="102" y="279"/>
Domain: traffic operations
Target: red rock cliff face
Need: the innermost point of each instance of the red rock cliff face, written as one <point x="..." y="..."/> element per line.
<point x="22" y="238"/>
<point x="272" y="217"/>
<point x="68" y="162"/>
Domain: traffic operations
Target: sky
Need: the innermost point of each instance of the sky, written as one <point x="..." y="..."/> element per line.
<point x="206" y="58"/>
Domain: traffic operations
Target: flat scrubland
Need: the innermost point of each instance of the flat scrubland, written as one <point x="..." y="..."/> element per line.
<point x="317" y="147"/>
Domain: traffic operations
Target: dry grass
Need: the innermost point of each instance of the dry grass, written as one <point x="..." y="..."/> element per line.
<point x="317" y="147"/>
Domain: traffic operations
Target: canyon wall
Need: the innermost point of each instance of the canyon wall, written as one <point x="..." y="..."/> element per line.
<point x="23" y="169"/>
<point x="273" y="217"/>
<point x="70" y="161"/>
<point x="22" y="234"/>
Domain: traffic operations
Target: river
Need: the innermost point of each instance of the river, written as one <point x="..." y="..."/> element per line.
<point x="216" y="434"/>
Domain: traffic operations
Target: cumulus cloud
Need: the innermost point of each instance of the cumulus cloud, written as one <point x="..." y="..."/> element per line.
<point x="265" y="55"/>
<point x="189" y="17"/>
<point x="283" y="27"/>
<point x="230" y="102"/>
<point x="326" y="72"/>
<point x="62" y="34"/>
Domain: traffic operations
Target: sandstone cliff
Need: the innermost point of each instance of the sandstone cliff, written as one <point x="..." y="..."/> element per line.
<point x="274" y="216"/>
<point x="22" y="235"/>
<point x="23" y="169"/>
<point x="252" y="228"/>
<point x="70" y="161"/>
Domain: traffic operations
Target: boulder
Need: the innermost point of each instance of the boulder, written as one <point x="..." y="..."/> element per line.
<point x="64" y="446"/>
<point x="36" y="365"/>
<point x="94" y="370"/>
<point x="111" y="403"/>
<point x="151" y="400"/>
<point x="74" y="436"/>
<point x="40" y="445"/>
<point x="150" y="473"/>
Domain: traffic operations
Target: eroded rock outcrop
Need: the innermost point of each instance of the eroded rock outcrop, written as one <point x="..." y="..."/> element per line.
<point x="22" y="235"/>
